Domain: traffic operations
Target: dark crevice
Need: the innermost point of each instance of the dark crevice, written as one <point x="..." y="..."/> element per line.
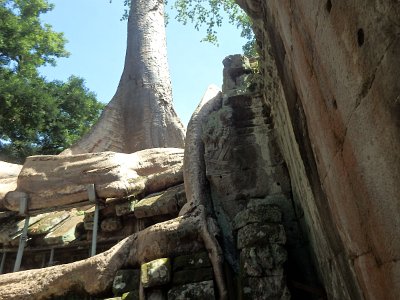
<point x="334" y="104"/>
<point x="360" y="37"/>
<point x="329" y="6"/>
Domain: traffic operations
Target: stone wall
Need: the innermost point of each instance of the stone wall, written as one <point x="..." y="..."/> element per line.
<point x="250" y="188"/>
<point x="330" y="70"/>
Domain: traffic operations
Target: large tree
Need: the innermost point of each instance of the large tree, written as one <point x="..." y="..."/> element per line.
<point x="140" y="115"/>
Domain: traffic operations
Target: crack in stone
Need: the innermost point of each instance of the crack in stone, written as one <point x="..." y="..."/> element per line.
<point x="370" y="81"/>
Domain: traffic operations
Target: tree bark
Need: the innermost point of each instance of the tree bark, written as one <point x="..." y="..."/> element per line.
<point x="55" y="181"/>
<point x="140" y="115"/>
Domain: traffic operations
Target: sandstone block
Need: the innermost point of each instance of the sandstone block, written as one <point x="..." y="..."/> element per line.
<point x="257" y="214"/>
<point x="191" y="261"/>
<point x="261" y="261"/>
<point x="199" y="291"/>
<point x="126" y="281"/>
<point x="156" y="272"/>
<point x="192" y="275"/>
<point x="265" y="288"/>
<point x="256" y="234"/>
<point x="168" y="202"/>
<point x="111" y="224"/>
<point x="125" y="208"/>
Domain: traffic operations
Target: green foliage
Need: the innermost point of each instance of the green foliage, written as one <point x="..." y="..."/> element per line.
<point x="40" y="117"/>
<point x="210" y="14"/>
<point x="26" y="43"/>
<point x="37" y="116"/>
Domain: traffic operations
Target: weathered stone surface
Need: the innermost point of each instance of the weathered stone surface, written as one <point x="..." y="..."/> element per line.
<point x="12" y="227"/>
<point x="88" y="218"/>
<point x="47" y="223"/>
<point x="263" y="261"/>
<point x="59" y="180"/>
<point x="257" y="234"/>
<point x="192" y="275"/>
<point x="156" y="272"/>
<point x="241" y="154"/>
<point x="111" y="224"/>
<point x="191" y="261"/>
<point x="125" y="208"/>
<point x="156" y="295"/>
<point x="8" y="179"/>
<point x="168" y="202"/>
<point x="88" y="214"/>
<point x="199" y="291"/>
<point x="257" y="214"/>
<point x="333" y="88"/>
<point x="126" y="281"/>
<point x="65" y="232"/>
<point x="265" y="288"/>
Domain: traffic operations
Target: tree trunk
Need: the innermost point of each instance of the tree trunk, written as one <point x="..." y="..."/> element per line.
<point x="140" y="115"/>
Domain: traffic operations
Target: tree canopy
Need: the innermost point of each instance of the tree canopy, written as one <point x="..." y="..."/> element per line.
<point x="26" y="43"/>
<point x="209" y="14"/>
<point x="37" y="116"/>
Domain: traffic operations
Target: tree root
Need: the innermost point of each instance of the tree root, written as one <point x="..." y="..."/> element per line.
<point x="185" y="234"/>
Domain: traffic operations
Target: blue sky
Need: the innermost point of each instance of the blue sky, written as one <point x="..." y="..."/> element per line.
<point x="97" y="41"/>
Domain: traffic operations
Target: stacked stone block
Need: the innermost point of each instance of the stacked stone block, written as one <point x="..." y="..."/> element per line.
<point x="183" y="277"/>
<point x="260" y="240"/>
